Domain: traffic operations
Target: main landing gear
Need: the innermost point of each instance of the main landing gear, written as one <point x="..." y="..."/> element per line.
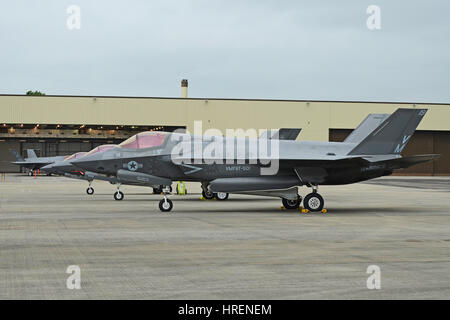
<point x="118" y="195"/>
<point x="159" y="189"/>
<point x="208" y="195"/>
<point x="166" y="205"/>
<point x="292" y="204"/>
<point x="313" y="202"/>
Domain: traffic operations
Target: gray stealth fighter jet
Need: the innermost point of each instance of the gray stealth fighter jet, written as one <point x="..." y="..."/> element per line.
<point x="33" y="162"/>
<point x="65" y="168"/>
<point x="150" y="157"/>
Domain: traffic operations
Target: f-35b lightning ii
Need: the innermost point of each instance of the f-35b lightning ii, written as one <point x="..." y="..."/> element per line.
<point x="276" y="167"/>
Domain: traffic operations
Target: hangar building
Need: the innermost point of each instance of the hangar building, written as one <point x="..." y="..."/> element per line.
<point x="60" y="125"/>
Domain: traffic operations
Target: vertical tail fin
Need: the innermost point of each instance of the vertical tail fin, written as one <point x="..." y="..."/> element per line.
<point x="282" y="134"/>
<point x="392" y="135"/>
<point x="371" y="122"/>
<point x="31" y="153"/>
<point x="289" y="133"/>
<point x="16" y="155"/>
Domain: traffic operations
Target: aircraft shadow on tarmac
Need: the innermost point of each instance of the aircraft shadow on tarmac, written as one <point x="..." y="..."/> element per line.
<point x="209" y="206"/>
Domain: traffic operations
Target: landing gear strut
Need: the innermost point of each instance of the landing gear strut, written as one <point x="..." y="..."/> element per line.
<point x="166" y="205"/>
<point x="314" y="201"/>
<point x="118" y="195"/>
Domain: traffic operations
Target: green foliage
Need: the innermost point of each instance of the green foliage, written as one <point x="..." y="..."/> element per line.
<point x="35" y="93"/>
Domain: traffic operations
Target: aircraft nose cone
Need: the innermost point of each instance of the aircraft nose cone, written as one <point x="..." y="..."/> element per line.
<point x="48" y="168"/>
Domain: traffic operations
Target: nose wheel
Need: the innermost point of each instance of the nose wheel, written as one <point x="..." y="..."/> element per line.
<point x="90" y="190"/>
<point x="166" y="205"/>
<point x="118" y="195"/>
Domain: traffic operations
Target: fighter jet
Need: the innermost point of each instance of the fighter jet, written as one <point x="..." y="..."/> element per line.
<point x="33" y="162"/>
<point x="277" y="168"/>
<point x="65" y="168"/>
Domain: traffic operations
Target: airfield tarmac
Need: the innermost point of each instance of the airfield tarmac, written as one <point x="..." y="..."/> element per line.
<point x="243" y="248"/>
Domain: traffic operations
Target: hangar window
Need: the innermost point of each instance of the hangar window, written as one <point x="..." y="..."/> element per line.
<point x="143" y="140"/>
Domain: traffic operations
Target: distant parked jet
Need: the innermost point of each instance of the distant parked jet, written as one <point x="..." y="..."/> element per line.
<point x="150" y="157"/>
<point x="33" y="162"/>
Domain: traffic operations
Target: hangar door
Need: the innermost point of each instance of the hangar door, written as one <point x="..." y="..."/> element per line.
<point x="422" y="142"/>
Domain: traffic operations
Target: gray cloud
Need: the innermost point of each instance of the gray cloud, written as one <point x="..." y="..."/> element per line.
<point x="236" y="49"/>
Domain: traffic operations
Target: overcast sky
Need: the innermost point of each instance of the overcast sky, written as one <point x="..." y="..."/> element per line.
<point x="318" y="50"/>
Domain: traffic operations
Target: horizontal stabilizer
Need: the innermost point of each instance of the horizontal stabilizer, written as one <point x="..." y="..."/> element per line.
<point x="406" y="162"/>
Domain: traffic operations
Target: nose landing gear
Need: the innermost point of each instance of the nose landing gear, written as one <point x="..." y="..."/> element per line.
<point x="166" y="205"/>
<point x="118" y="195"/>
<point x="90" y="190"/>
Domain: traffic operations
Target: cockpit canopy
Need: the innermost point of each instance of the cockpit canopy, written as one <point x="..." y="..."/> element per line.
<point x="101" y="149"/>
<point x="144" y="140"/>
<point x="76" y="156"/>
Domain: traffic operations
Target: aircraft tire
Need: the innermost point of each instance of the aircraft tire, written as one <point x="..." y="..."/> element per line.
<point x="208" y="195"/>
<point x="90" y="190"/>
<point x="165" y="205"/>
<point x="313" y="202"/>
<point x="118" y="195"/>
<point x="157" y="190"/>
<point x="291" y="204"/>
<point x="221" y="196"/>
